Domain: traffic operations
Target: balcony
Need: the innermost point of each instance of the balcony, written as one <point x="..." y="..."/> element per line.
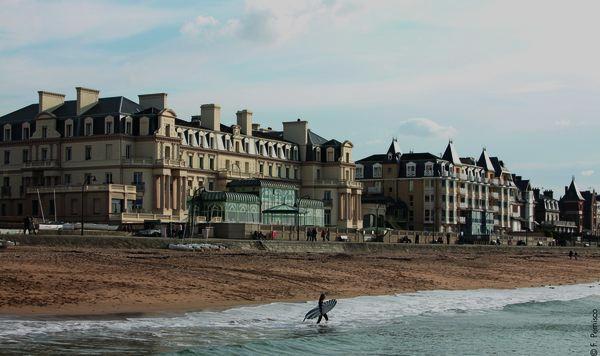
<point x="116" y="188"/>
<point x="5" y="191"/>
<point x="338" y="183"/>
<point x="169" y="162"/>
<point x="137" y="161"/>
<point x="50" y="163"/>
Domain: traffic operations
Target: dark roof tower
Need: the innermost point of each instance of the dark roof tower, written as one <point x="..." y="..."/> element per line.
<point x="450" y="154"/>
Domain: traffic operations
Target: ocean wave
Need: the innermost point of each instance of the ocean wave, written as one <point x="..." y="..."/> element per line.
<point x="254" y="322"/>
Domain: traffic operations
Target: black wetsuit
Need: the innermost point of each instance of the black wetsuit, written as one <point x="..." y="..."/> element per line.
<point x="321" y="312"/>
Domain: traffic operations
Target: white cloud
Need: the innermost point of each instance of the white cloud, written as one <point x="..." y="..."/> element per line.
<point x="198" y="25"/>
<point x="27" y="22"/>
<point x="587" y="173"/>
<point x="563" y="123"/>
<point x="426" y="128"/>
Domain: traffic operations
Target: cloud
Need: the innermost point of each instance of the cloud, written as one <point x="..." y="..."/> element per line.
<point x="587" y="173"/>
<point x="537" y="87"/>
<point x="198" y="25"/>
<point x="426" y="128"/>
<point x="29" y="22"/>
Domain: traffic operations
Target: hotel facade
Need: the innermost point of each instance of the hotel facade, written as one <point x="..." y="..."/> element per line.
<point x="446" y="194"/>
<point x="122" y="162"/>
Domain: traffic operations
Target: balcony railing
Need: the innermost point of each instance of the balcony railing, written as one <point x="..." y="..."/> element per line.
<point x="337" y="183"/>
<point x="51" y="163"/>
<point x="137" y="161"/>
<point x="170" y="162"/>
<point x="88" y="188"/>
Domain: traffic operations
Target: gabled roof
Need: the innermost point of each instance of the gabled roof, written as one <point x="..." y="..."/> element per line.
<point x="450" y="154"/>
<point x="394" y="151"/>
<point x="572" y="192"/>
<point x="484" y="161"/>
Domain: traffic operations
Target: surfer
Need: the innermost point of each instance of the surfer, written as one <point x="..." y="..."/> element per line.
<point x="321" y="314"/>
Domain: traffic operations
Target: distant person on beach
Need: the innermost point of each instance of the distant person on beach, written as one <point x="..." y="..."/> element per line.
<point x="576" y="255"/>
<point x="321" y="300"/>
<point x="25" y="225"/>
<point x="571" y="254"/>
<point x="323" y="235"/>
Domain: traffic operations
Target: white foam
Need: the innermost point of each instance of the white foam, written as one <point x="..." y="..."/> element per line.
<point x="352" y="312"/>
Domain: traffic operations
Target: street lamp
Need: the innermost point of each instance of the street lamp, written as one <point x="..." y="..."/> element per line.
<point x="89" y="179"/>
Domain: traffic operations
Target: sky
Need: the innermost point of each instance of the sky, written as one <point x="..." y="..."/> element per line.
<point x="520" y="78"/>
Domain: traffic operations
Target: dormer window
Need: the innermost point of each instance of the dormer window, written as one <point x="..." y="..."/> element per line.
<point x="428" y="169"/>
<point x="69" y="128"/>
<point x="359" y="171"/>
<point x="26" y="131"/>
<point x="330" y="155"/>
<point x="317" y="154"/>
<point x="89" y="128"/>
<point x="108" y="126"/>
<point x="7" y="132"/>
<point x="377" y="171"/>
<point x="411" y="169"/>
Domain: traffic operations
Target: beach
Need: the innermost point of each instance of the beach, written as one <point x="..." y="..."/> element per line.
<point x="61" y="281"/>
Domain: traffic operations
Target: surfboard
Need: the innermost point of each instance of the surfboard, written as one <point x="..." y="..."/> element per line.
<point x="315" y="312"/>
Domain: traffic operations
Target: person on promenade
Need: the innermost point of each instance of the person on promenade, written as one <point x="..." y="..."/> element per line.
<point x="321" y="300"/>
<point x="25" y="225"/>
<point x="327" y="234"/>
<point x="323" y="235"/>
<point x="576" y="255"/>
<point x="571" y="254"/>
<point x="315" y="234"/>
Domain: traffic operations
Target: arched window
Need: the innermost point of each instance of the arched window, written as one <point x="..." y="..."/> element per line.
<point x="428" y="169"/>
<point x="88" y="126"/>
<point x="7" y="133"/>
<point x="109" y="125"/>
<point x="167" y="152"/>
<point x="317" y="154"/>
<point x="26" y="131"/>
<point x="330" y="154"/>
<point x="377" y="171"/>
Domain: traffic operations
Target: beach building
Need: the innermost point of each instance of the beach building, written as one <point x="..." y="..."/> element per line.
<point x="120" y="161"/>
<point x="571" y="206"/>
<point x="446" y="193"/>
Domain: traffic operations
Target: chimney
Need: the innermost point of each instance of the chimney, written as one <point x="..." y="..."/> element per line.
<point x="86" y="99"/>
<point x="157" y="100"/>
<point x="49" y="101"/>
<point x="244" y="121"/>
<point x="255" y="127"/>
<point x="549" y="194"/>
<point x="210" y="116"/>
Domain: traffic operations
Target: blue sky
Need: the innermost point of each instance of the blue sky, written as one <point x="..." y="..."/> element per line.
<point x="520" y="78"/>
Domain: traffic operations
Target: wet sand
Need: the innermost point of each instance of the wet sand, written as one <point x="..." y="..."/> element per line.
<point x="85" y="281"/>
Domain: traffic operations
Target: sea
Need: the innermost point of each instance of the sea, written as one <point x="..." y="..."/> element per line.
<point x="550" y="320"/>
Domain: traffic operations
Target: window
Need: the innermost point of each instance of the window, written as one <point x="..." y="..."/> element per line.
<point x="108" y="178"/>
<point x="44" y="154"/>
<point x="270" y="170"/>
<point x="129" y="127"/>
<point x="108" y="127"/>
<point x="279" y="172"/>
<point x="330" y="155"/>
<point x="237" y="146"/>
<point x="68" y="130"/>
<point x="428" y="169"/>
<point x="138" y="177"/>
<point x="411" y="169"/>
<point x="296" y="173"/>
<point x="227" y="164"/>
<point x="287" y="172"/>
<point x="68" y="153"/>
<point x="167" y="152"/>
<point x="67" y="179"/>
<point x="168" y="130"/>
<point x="211" y="163"/>
<point x="191" y="161"/>
<point x="88" y="128"/>
<point x="318" y="173"/>
<point x="327" y="195"/>
<point x="7" y="134"/>
<point x="25" y="156"/>
<point x="6" y="157"/>
<point x="261" y="168"/>
<point x="116" y="206"/>
<point x="44" y="132"/>
<point x="127" y="151"/>
<point x="26" y="133"/>
<point x="201" y="162"/>
<point x="348" y="157"/>
<point x="377" y="170"/>
<point x="246" y="167"/>
<point x="88" y="152"/>
<point x="359" y="171"/>
<point x="327" y="217"/>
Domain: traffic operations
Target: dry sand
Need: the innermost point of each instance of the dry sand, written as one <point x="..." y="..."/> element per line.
<point x="67" y="281"/>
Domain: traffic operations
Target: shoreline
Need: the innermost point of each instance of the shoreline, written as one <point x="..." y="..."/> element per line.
<point x="56" y="282"/>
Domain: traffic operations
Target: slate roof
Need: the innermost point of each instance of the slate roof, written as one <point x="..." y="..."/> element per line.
<point x="450" y="154"/>
<point x="105" y="106"/>
<point x="373" y="158"/>
<point x="572" y="192"/>
<point x="484" y="161"/>
<point x="418" y="156"/>
<point x="315" y="139"/>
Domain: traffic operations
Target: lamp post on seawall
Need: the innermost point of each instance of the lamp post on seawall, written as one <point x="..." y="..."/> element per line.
<point x="91" y="179"/>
